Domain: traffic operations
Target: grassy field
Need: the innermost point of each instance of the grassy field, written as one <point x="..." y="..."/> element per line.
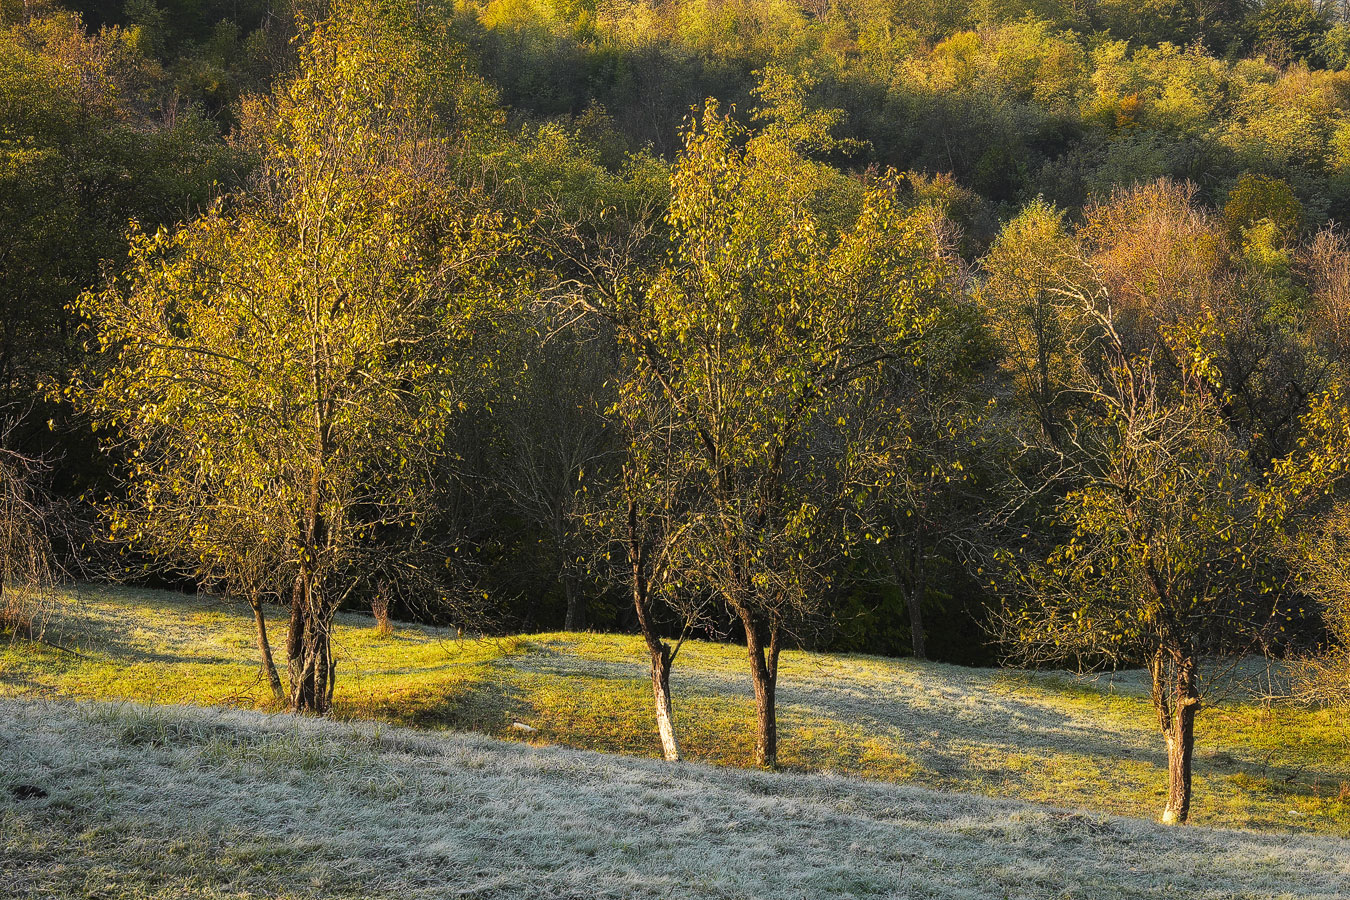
<point x="1054" y="738"/>
<point x="178" y="802"/>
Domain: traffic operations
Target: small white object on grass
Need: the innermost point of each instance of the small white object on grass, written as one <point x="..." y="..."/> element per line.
<point x="521" y="726"/>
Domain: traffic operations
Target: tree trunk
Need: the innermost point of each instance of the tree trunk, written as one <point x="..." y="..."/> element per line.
<point x="269" y="666"/>
<point x="913" y="601"/>
<point x="764" y="675"/>
<point x="665" y="720"/>
<point x="1177" y="703"/>
<point x="918" y="637"/>
<point x="309" y="647"/>
<point x="661" y="655"/>
<point x="576" y="605"/>
<point x="309" y="662"/>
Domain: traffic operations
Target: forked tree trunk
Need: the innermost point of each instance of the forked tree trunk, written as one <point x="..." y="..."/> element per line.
<point x="309" y="656"/>
<point x="661" y="656"/>
<point x="309" y="649"/>
<point x="1176" y="700"/>
<point x="269" y="666"/>
<point x="764" y="675"/>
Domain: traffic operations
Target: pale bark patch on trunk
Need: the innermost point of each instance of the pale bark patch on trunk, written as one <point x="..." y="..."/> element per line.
<point x="665" y="718"/>
<point x="662" y="658"/>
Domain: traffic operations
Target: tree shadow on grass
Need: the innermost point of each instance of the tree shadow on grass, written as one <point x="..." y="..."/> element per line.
<point x="100" y="621"/>
<point x="1106" y="754"/>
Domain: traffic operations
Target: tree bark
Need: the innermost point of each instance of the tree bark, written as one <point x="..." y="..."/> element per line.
<point x="764" y="675"/>
<point x="576" y="605"/>
<point x="665" y="719"/>
<point x="309" y="661"/>
<point x="309" y="647"/>
<point x="918" y="637"/>
<point x="269" y="666"/>
<point x="661" y="656"/>
<point x="1177" y="703"/>
<point x="913" y="600"/>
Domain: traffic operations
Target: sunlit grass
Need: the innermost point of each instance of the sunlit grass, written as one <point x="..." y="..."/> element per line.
<point x="1043" y="737"/>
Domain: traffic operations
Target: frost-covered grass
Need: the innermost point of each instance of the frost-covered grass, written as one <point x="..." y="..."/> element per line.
<point x="1031" y="736"/>
<point x="179" y="802"/>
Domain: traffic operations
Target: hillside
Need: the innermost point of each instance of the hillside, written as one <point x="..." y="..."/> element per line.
<point x="1041" y="737"/>
<point x="179" y="802"/>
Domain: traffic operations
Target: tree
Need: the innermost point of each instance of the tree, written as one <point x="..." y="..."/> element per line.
<point x="556" y="445"/>
<point x="1025" y="312"/>
<point x="1162" y="525"/>
<point x="289" y="358"/>
<point x="1321" y="558"/>
<point x="1287" y="31"/>
<point x="1260" y="198"/>
<point x="30" y="518"/>
<point x="1319" y="551"/>
<point x="743" y="349"/>
<point x="230" y="544"/>
<point x="251" y="564"/>
<point x="648" y="512"/>
<point x="1160" y="559"/>
<point x="925" y="437"/>
<point x="1327" y="262"/>
<point x="81" y="153"/>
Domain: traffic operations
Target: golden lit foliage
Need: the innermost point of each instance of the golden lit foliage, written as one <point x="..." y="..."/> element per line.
<point x="287" y="360"/>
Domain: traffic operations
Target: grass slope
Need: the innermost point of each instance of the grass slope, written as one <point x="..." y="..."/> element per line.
<point x="176" y="802"/>
<point x="1031" y="736"/>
